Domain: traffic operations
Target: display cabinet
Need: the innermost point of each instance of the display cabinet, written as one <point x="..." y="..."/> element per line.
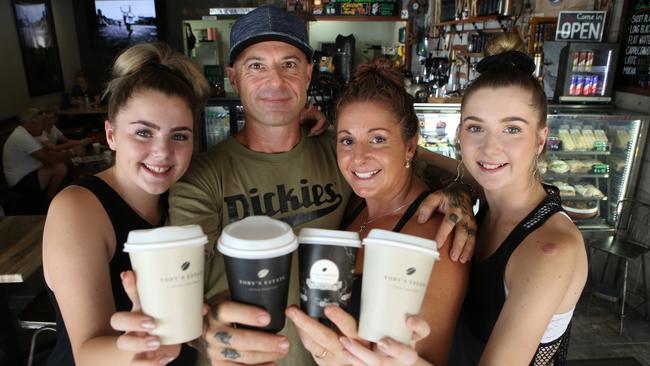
<point x="593" y="156"/>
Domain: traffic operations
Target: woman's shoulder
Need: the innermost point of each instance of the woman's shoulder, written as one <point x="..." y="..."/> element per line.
<point x="557" y="241"/>
<point x="75" y="208"/>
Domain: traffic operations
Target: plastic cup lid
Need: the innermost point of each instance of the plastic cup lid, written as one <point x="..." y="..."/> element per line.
<point x="385" y="237"/>
<point x="165" y="237"/>
<point x="257" y="237"/>
<point x="329" y="237"/>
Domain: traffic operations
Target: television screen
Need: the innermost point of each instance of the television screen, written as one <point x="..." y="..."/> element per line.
<point x="121" y="23"/>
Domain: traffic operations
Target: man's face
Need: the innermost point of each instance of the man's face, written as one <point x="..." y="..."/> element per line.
<point x="271" y="79"/>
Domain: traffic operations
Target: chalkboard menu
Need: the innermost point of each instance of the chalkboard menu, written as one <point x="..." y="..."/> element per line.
<point x="358" y="8"/>
<point x="634" y="66"/>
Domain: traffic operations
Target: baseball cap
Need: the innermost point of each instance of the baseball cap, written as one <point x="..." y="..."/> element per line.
<point x="268" y="23"/>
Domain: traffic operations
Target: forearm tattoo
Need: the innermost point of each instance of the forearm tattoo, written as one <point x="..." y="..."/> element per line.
<point x="231" y="354"/>
<point x="223" y="337"/>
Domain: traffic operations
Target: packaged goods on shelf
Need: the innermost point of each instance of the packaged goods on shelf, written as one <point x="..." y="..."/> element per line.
<point x="581" y="209"/>
<point x="542" y="166"/>
<point x="578" y="139"/>
<point x="568" y="143"/>
<point x="558" y="166"/>
<point x="565" y="188"/>
<point x="588" y="191"/>
<point x="621" y="138"/>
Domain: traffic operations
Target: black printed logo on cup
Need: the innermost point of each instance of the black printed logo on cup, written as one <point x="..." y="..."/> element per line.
<point x="410" y="271"/>
<point x="262" y="273"/>
<point x="185" y="266"/>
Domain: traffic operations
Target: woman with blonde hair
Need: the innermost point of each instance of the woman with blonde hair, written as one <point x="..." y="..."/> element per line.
<point x="154" y="96"/>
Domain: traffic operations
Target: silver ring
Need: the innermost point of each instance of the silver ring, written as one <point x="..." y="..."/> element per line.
<point x="322" y="354"/>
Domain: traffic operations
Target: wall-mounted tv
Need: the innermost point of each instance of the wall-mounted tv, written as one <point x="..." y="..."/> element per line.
<point x="121" y="23"/>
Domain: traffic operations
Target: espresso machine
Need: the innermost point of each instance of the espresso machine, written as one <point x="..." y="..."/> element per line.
<point x="435" y="72"/>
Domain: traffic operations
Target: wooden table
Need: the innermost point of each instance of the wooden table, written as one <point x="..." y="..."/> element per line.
<point x="21" y="243"/>
<point x="21" y="240"/>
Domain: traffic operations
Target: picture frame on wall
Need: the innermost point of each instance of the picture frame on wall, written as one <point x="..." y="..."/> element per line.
<point x="38" y="45"/>
<point x="119" y="24"/>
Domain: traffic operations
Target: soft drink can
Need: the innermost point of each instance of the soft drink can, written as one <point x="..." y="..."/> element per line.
<point x="576" y="60"/>
<point x="579" y="83"/>
<point x="586" y="85"/>
<point x="594" y="84"/>
<point x="572" y="86"/>
<point x="589" y="61"/>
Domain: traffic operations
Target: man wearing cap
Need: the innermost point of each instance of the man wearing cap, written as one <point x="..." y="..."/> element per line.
<point x="32" y="171"/>
<point x="271" y="167"/>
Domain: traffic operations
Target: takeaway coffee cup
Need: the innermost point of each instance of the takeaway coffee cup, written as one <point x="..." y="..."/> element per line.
<point x="169" y="263"/>
<point x="396" y="270"/>
<point x="257" y="252"/>
<point x="327" y="259"/>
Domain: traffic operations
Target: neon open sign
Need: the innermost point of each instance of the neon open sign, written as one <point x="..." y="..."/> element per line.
<point x="580" y="26"/>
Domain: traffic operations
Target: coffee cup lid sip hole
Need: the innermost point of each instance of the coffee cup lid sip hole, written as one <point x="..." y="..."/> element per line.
<point x="386" y="237"/>
<point x="329" y="237"/>
<point x="164" y="238"/>
<point x="257" y="237"/>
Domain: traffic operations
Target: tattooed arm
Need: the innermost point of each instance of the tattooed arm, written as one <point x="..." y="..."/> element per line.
<point x="455" y="200"/>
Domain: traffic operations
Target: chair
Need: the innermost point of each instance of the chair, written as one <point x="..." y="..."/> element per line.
<point x="38" y="315"/>
<point x="631" y="241"/>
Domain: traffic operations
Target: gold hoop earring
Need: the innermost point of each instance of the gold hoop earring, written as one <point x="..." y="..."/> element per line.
<point x="535" y="170"/>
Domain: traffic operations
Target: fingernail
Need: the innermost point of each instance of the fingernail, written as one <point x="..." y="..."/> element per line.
<point x="454" y="256"/>
<point x="420" y="219"/>
<point x="165" y="360"/>
<point x="153" y="343"/>
<point x="291" y="313"/>
<point x="439" y="244"/>
<point x="148" y="324"/>
<point x="264" y="319"/>
<point x="345" y="341"/>
<point x="283" y="346"/>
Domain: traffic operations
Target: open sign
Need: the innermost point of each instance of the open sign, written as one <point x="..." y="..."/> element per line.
<point x="580" y="26"/>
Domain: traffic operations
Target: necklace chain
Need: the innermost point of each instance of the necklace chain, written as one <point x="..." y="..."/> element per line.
<point x="368" y="220"/>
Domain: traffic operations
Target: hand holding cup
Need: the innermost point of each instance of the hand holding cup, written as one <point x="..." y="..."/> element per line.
<point x="226" y="345"/>
<point x="136" y="327"/>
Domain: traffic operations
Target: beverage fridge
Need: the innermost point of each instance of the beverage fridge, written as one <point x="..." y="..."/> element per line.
<point x="222" y="117"/>
<point x="586" y="72"/>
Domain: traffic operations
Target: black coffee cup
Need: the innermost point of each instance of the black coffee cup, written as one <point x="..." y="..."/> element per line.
<point x="327" y="260"/>
<point x="257" y="253"/>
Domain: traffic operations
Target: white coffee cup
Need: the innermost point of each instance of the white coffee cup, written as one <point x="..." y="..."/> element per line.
<point x="396" y="271"/>
<point x="169" y="265"/>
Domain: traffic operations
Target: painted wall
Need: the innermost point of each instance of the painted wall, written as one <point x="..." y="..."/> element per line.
<point x="15" y="96"/>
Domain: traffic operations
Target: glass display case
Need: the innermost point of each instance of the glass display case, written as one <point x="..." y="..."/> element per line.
<point x="592" y="156"/>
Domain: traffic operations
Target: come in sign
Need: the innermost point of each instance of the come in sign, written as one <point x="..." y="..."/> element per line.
<point x="586" y="26"/>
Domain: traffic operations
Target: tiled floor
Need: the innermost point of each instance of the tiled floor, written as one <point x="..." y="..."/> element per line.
<point x="594" y="335"/>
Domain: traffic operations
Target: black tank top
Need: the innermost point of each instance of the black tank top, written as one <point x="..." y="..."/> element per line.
<point x="124" y="219"/>
<point x="354" y="306"/>
<point x="486" y="296"/>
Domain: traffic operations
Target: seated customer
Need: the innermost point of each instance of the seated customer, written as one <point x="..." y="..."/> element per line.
<point x="53" y="139"/>
<point x="83" y="89"/>
<point x="31" y="170"/>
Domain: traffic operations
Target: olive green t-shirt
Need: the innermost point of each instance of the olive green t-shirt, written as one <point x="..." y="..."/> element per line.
<point x="302" y="187"/>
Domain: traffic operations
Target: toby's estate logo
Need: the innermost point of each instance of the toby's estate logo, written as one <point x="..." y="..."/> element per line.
<point x="262" y="273"/>
<point x="324" y="198"/>
<point x="185" y="266"/>
<point x="410" y="271"/>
